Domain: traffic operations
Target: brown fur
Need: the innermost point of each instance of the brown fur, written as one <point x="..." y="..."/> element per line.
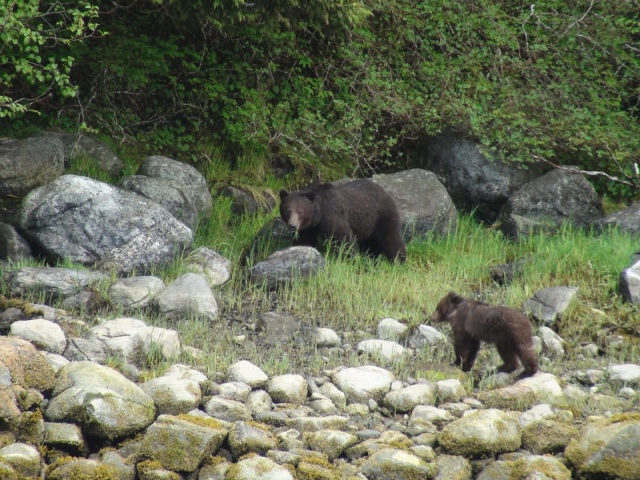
<point x="359" y="213"/>
<point x="473" y="322"/>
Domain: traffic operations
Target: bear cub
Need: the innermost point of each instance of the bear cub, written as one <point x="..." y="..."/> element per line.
<point x="473" y="322"/>
<point x="360" y="213"/>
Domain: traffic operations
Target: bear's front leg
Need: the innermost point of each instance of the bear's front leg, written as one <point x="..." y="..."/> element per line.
<point x="466" y="349"/>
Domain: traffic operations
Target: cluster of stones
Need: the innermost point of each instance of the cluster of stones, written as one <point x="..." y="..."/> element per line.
<point x="359" y="422"/>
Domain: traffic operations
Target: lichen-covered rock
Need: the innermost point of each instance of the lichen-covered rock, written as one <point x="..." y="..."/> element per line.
<point x="215" y="267"/>
<point x="52" y="282"/>
<point x="386" y="440"/>
<point x="42" y="333"/>
<point x="248" y="437"/>
<point x="330" y="442"/>
<point x="453" y="467"/>
<point x="450" y="390"/>
<point x="288" y="389"/>
<point x="25" y="365"/>
<point x="308" y="470"/>
<point x="547" y="436"/>
<point x="546" y="387"/>
<point x="514" y="397"/>
<point x="361" y="384"/>
<point x="135" y="292"/>
<point x="182" y="443"/>
<point x="480" y="433"/>
<point x="131" y="339"/>
<point x="608" y="447"/>
<point x="385" y="350"/>
<point x="64" y="436"/>
<point x="173" y="396"/>
<point x="188" y="295"/>
<point x="153" y="470"/>
<point x="314" y="424"/>
<point x="72" y="468"/>
<point x="393" y="464"/>
<point x="91" y="222"/>
<point x="246" y="372"/>
<point x="526" y="468"/>
<point x="101" y="400"/>
<point x="406" y="399"/>
<point x="227" y="410"/>
<point x="24" y="459"/>
<point x="284" y="266"/>
<point x="258" y="468"/>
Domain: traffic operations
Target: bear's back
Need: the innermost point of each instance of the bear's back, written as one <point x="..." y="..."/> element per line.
<point x="492" y="323"/>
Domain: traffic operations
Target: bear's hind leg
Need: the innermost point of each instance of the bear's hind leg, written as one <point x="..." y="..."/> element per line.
<point x="509" y="357"/>
<point x="529" y="360"/>
<point x="391" y="244"/>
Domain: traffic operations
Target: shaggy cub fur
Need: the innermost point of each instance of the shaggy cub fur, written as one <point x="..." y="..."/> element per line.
<point x="473" y="322"/>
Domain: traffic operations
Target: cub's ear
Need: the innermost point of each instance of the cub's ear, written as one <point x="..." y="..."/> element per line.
<point x="454" y="297"/>
<point x="283" y="194"/>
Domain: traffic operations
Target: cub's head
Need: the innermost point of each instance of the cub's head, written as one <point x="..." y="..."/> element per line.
<point x="446" y="306"/>
<point x="297" y="209"/>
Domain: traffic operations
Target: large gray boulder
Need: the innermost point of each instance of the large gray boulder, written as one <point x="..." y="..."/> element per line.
<point x="627" y="220"/>
<point x="547" y="202"/>
<point x="29" y="163"/>
<point x="474" y="180"/>
<point x="90" y="222"/>
<point x="178" y="187"/>
<point x="102" y="401"/>
<point x="82" y="145"/>
<point x="423" y="202"/>
<point x="52" y="282"/>
<point x="284" y="266"/>
<point x="189" y="294"/>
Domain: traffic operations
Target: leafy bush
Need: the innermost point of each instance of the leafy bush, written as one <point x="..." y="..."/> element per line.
<point x="334" y="85"/>
<point x="34" y="50"/>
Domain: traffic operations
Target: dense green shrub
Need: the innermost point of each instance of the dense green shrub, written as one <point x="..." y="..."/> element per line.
<point x="334" y="85"/>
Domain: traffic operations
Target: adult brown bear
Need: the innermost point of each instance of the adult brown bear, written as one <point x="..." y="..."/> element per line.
<point x="473" y="322"/>
<point x="359" y="213"/>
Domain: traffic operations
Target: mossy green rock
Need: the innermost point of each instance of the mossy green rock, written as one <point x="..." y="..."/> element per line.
<point x="609" y="447"/>
<point x="393" y="464"/>
<point x="82" y="469"/>
<point x="23" y="458"/>
<point x="7" y="473"/>
<point x="28" y="368"/>
<point x="258" y="468"/>
<point x="509" y="398"/>
<point x="179" y="444"/>
<point x="539" y="466"/>
<point x="245" y="437"/>
<point x="481" y="433"/>
<point x="330" y="442"/>
<point x="453" y="467"/>
<point x="547" y="436"/>
<point x="105" y="403"/>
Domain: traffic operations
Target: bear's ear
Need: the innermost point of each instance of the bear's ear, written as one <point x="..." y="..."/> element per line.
<point x="283" y="194"/>
<point x="310" y="195"/>
<point x="454" y="297"/>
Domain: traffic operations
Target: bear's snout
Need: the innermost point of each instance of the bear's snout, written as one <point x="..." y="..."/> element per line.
<point x="294" y="221"/>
